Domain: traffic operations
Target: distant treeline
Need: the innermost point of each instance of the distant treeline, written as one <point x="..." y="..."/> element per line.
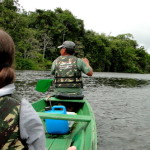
<point x="37" y="35"/>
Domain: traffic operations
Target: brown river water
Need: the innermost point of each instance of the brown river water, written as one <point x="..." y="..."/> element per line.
<point x="120" y="101"/>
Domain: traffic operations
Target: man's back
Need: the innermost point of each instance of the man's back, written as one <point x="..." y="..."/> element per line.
<point x="67" y="70"/>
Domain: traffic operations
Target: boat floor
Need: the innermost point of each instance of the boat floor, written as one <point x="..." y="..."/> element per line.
<point x="62" y="142"/>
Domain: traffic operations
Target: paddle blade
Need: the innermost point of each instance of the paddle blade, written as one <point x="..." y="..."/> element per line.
<point x="43" y="85"/>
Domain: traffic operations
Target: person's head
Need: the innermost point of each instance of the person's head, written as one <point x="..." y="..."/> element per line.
<point x="68" y="47"/>
<point x="7" y="53"/>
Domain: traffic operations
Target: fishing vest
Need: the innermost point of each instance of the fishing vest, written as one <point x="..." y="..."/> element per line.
<point x="9" y="124"/>
<point x="67" y="74"/>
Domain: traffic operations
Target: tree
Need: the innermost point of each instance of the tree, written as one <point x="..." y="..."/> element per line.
<point x="124" y="58"/>
<point x="37" y="35"/>
<point x="96" y="49"/>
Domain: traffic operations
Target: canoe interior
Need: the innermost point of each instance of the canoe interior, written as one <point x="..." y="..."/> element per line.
<point x="83" y="133"/>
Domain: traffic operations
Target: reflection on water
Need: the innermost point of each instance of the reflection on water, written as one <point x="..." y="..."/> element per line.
<point x="120" y="82"/>
<point x="120" y="102"/>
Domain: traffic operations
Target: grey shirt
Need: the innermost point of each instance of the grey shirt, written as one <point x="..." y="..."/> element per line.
<point x="31" y="128"/>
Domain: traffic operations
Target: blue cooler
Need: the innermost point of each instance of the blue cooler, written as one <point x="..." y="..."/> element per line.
<point x="57" y="126"/>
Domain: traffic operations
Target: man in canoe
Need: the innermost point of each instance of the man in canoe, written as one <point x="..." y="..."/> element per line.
<point x="67" y="70"/>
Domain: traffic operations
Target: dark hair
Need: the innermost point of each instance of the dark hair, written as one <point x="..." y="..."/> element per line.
<point x="7" y="53"/>
<point x="70" y="51"/>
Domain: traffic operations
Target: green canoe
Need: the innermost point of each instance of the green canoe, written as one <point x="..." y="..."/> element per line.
<point x="82" y="134"/>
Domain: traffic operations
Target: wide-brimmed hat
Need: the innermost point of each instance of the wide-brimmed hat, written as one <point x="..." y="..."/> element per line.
<point x="68" y="44"/>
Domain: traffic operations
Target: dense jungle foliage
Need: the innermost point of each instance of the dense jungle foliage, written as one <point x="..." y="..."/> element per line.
<point x="37" y="35"/>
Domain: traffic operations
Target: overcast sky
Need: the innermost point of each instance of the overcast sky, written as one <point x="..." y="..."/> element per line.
<point x="111" y="17"/>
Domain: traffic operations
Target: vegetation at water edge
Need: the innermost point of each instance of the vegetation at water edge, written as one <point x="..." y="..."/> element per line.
<point x="37" y="35"/>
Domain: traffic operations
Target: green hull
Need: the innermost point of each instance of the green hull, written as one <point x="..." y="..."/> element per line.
<point x="83" y="134"/>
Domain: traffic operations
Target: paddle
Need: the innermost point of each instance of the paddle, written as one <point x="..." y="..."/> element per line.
<point x="43" y="85"/>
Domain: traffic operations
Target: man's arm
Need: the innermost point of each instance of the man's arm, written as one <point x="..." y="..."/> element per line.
<point x="31" y="127"/>
<point x="90" y="73"/>
<point x="53" y="68"/>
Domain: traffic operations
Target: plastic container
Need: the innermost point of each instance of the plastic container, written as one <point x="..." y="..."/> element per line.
<point x="71" y="123"/>
<point x="57" y="126"/>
